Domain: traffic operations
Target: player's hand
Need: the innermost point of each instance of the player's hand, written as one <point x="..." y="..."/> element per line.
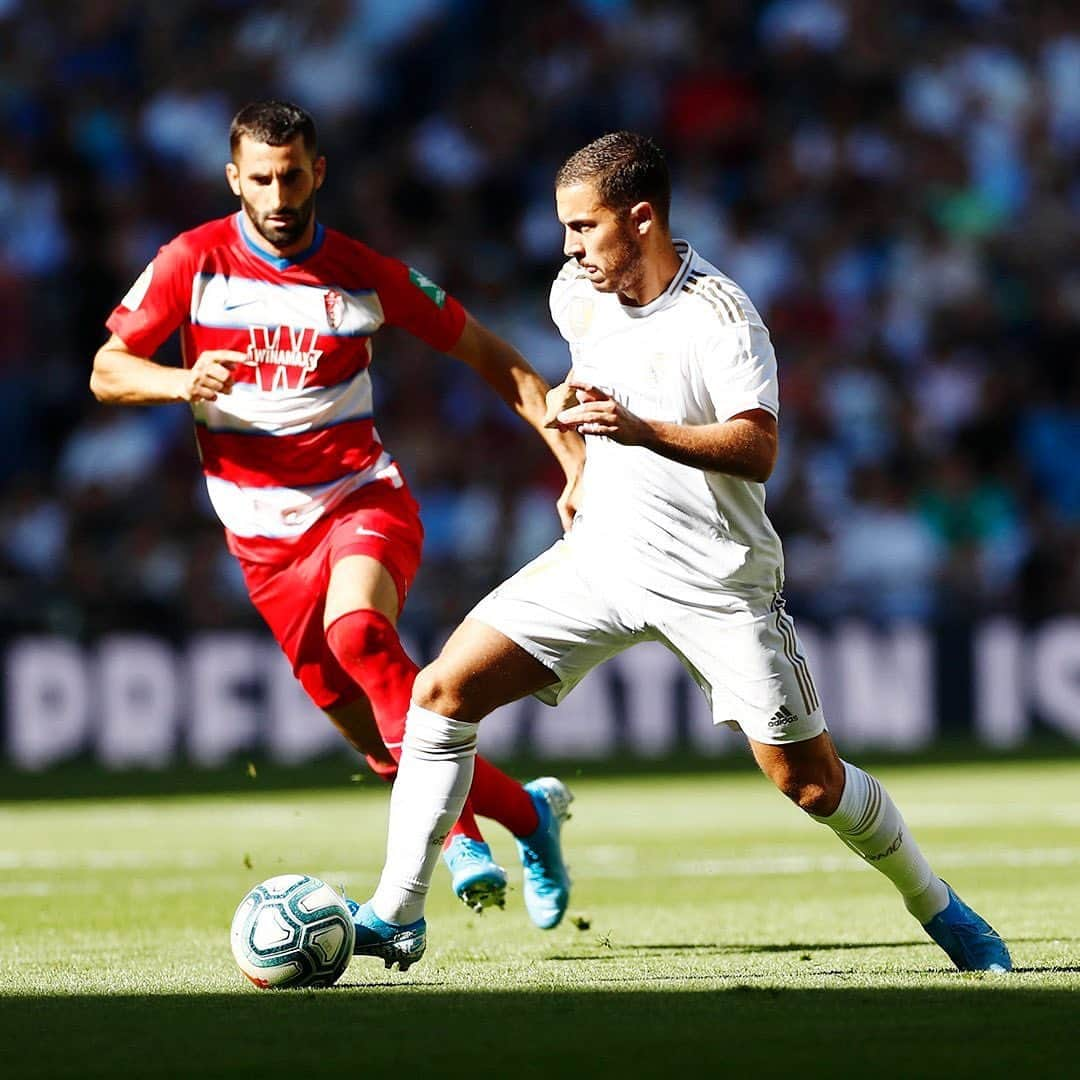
<point x="565" y="396"/>
<point x="598" y="413"/>
<point x="211" y="374"/>
<point x="558" y="399"/>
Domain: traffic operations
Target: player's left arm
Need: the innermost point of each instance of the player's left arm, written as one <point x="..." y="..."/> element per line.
<point x="744" y="446"/>
<point x="511" y="376"/>
<point x="738" y="368"/>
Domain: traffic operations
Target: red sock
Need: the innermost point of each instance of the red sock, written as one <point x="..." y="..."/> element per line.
<point x="367" y="646"/>
<point x="495" y="795"/>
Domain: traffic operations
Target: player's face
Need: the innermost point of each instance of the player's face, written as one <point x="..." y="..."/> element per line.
<point x="276" y="186"/>
<point x="604" y="241"/>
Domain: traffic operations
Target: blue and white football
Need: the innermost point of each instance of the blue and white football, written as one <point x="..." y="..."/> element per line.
<point x="291" y="931"/>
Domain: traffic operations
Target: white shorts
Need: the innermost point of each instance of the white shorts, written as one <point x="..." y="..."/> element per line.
<point x="745" y="657"/>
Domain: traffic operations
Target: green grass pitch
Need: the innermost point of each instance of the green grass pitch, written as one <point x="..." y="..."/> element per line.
<point x="713" y="931"/>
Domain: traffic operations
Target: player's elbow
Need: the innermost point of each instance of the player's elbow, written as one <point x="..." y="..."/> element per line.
<point x="103" y="377"/>
<point x="99" y="382"/>
<point x="754" y="444"/>
<point x="763" y="470"/>
<point x="764" y="461"/>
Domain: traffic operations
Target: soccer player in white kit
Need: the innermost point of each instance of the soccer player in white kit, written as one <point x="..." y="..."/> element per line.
<point x="673" y="384"/>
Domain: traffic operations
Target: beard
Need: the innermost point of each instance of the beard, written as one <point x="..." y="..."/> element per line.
<point x="281" y="236"/>
<point x="624" y="270"/>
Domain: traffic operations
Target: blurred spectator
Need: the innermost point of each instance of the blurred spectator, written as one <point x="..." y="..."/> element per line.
<point x="896" y="187"/>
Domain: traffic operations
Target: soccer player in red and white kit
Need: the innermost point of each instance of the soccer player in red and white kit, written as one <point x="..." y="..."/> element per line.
<point x="276" y="314"/>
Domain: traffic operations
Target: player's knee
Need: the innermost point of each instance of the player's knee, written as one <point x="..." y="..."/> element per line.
<point x="815" y="795"/>
<point x="361" y="636"/>
<point x="814" y="798"/>
<point x="438" y="691"/>
<point x="430" y="691"/>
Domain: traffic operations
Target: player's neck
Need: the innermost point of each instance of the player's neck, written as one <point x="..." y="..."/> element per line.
<point x="255" y="237"/>
<point x="658" y="270"/>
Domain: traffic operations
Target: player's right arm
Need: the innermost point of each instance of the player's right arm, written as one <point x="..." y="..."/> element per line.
<point x="155" y="306"/>
<point x="122" y="377"/>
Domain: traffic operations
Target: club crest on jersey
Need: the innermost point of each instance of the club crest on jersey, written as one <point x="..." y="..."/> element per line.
<point x="334" y="303"/>
<point x="581" y="316"/>
<point x="278" y="365"/>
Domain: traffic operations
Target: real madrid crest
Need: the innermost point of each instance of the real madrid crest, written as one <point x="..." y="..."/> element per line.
<point x="581" y="315"/>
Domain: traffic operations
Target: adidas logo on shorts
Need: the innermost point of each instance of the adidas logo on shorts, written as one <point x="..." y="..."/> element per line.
<point x="782" y="717"/>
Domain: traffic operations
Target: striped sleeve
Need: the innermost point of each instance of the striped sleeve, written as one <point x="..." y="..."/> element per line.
<point x="740" y="370"/>
<point x="158" y="302"/>
<point x="738" y="361"/>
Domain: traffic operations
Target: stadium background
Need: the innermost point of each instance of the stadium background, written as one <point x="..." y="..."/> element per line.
<point x="895" y="187"/>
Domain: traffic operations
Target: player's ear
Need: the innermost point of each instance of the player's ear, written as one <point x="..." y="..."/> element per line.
<point x="318" y="167"/>
<point x="642" y="217"/>
<point x="232" y="174"/>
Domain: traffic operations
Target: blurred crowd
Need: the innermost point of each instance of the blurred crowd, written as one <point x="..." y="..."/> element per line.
<point x="895" y="186"/>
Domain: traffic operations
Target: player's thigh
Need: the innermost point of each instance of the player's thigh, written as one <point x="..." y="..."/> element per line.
<point x="373" y="552"/>
<point x="478" y="670"/>
<point x="753" y="669"/>
<point x="360" y="583"/>
<point x="559" y="615"/>
<point x="289" y="596"/>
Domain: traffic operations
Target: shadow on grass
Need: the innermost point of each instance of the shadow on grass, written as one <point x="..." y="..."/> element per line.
<point x="984" y="1027"/>
<point x="605" y="949"/>
<point x="610" y="950"/>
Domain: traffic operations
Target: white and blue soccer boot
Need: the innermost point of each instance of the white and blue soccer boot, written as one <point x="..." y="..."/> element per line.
<point x="546" y="880"/>
<point x="478" y="881"/>
<point x="401" y="945"/>
<point x="970" y="941"/>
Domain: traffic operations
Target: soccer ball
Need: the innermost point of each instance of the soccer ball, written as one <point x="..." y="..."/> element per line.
<point x="292" y="930"/>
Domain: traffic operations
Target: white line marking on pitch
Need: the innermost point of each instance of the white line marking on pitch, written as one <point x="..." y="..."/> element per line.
<point x="604" y="864"/>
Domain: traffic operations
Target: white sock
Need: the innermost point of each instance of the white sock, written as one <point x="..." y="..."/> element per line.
<point x="433" y="780"/>
<point x="868" y="821"/>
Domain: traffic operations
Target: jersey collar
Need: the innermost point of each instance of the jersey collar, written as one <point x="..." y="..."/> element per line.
<point x="672" y="291"/>
<point x="276" y="261"/>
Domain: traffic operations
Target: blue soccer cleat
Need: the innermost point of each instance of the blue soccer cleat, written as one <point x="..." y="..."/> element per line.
<point x="547" y="883"/>
<point x="971" y="942"/>
<point x="401" y="945"/>
<point x="478" y="881"/>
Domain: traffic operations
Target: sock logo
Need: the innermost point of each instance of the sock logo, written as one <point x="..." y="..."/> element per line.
<point x="782" y="717"/>
<point x="892" y="849"/>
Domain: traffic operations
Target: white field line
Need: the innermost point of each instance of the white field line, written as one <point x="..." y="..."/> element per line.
<point x="26" y="888"/>
<point x="944" y="815"/>
<point x="615" y="863"/>
<point x="91" y="859"/>
<point x="597" y="862"/>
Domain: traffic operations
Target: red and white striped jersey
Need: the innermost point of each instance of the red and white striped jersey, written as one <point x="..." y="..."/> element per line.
<point x="296" y="434"/>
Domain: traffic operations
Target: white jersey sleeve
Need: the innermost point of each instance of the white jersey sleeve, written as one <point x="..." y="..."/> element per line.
<point x="739" y="369"/>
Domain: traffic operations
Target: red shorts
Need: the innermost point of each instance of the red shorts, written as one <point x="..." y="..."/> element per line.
<point x="287" y="579"/>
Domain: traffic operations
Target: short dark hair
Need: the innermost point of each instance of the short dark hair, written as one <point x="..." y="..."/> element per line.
<point x="626" y="168"/>
<point x="275" y="123"/>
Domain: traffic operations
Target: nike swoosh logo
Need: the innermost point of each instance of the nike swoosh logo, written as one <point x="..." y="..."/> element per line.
<point x="230" y="304"/>
<point x="361" y="531"/>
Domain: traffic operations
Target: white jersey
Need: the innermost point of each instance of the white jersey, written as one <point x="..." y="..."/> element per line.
<point x="697" y="354"/>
